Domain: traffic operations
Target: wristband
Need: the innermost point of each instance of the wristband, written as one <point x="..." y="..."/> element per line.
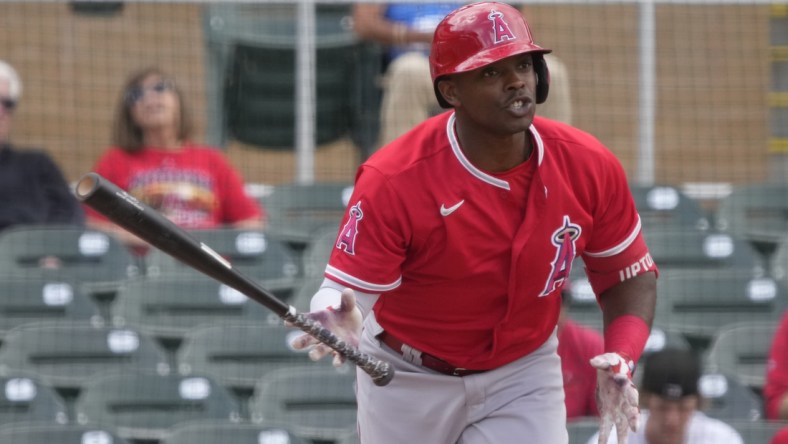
<point x="627" y="336"/>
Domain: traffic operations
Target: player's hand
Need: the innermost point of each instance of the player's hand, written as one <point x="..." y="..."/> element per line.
<point x="617" y="396"/>
<point x="344" y="321"/>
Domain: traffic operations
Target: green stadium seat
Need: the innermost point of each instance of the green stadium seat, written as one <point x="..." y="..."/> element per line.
<point x="758" y="432"/>
<point x="742" y="349"/>
<point x="699" y="303"/>
<point x="251" y="72"/>
<point x="67" y="355"/>
<point x="256" y="254"/>
<point x="667" y="207"/>
<point x="300" y="212"/>
<point x="45" y="433"/>
<point x="687" y="248"/>
<point x="239" y="354"/>
<point x="41" y="298"/>
<point x="94" y="258"/>
<point x="582" y="429"/>
<point x="168" y="308"/>
<point x="726" y="398"/>
<point x="757" y="210"/>
<point x="207" y="432"/>
<point x="318" y="251"/>
<point x="145" y="405"/>
<point x="317" y="403"/>
<point x="303" y="294"/>
<point x="26" y="398"/>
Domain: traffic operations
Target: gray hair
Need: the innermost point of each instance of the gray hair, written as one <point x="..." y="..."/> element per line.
<point x="14" y="83"/>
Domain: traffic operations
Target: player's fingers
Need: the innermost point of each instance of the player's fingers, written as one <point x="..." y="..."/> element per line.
<point x="338" y="360"/>
<point x="599" y="362"/>
<point x="621" y="432"/>
<point x="604" y="430"/>
<point x="348" y="301"/>
<point x="319" y="352"/>
<point x="303" y="341"/>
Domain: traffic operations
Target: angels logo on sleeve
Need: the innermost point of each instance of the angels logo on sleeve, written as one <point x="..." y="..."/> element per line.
<point x="564" y="241"/>
<point x="347" y="237"/>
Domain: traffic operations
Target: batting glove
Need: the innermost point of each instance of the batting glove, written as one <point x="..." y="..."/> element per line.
<point x="617" y="396"/>
<point x="343" y="321"/>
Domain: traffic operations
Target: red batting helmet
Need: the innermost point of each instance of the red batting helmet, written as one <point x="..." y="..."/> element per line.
<point x="478" y="34"/>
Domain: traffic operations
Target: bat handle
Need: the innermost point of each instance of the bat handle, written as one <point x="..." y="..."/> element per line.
<point x="381" y="372"/>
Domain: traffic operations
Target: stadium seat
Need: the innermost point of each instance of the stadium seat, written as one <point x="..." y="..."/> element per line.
<point x="742" y="349"/>
<point x="297" y="211"/>
<point x="208" y="432"/>
<point x="168" y="308"/>
<point x="698" y="303"/>
<point x="145" y="405"/>
<point x="251" y="68"/>
<point x="41" y="298"/>
<point x="46" y="433"/>
<point x="303" y="294"/>
<point x="755" y="210"/>
<point x="254" y="253"/>
<point x="757" y="432"/>
<point x="582" y="429"/>
<point x="94" y="258"/>
<point x="23" y="398"/>
<point x="66" y="355"/>
<point x="317" y="403"/>
<point x="726" y="398"/>
<point x="667" y="207"/>
<point x="318" y="251"/>
<point x="239" y="354"/>
<point x="688" y="248"/>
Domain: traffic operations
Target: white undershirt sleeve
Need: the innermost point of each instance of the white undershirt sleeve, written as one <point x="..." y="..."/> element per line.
<point x="330" y="295"/>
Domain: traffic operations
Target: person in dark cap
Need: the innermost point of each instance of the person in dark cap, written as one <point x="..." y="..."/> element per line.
<point x="670" y="403"/>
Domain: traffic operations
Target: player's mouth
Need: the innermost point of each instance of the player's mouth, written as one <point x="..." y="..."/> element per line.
<point x="519" y="107"/>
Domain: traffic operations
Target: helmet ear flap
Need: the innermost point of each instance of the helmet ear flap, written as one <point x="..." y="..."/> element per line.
<point x="542" y="78"/>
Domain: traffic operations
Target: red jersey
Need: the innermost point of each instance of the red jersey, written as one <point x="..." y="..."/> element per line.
<point x="470" y="264"/>
<point x="576" y="346"/>
<point x="776" y="386"/>
<point x="195" y="186"/>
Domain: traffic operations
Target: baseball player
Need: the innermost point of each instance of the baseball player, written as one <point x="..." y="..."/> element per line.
<point x="457" y="240"/>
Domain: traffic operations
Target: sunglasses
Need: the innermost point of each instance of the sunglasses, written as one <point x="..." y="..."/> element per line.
<point x="8" y="104"/>
<point x="137" y="93"/>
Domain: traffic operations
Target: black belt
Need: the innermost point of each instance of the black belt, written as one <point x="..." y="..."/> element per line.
<point x="427" y="360"/>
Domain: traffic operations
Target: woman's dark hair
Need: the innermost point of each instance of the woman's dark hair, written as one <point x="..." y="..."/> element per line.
<point x="126" y="134"/>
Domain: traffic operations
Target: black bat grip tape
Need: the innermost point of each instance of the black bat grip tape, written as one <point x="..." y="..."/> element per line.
<point x="381" y="372"/>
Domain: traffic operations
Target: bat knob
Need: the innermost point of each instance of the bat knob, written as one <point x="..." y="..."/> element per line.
<point x="384" y="375"/>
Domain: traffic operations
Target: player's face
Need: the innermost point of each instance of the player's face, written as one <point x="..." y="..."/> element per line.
<point x="6" y="109"/>
<point x="500" y="97"/>
<point x="669" y="419"/>
<point x="154" y="103"/>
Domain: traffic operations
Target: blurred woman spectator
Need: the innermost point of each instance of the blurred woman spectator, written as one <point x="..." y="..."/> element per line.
<point x="154" y="158"/>
<point x="33" y="190"/>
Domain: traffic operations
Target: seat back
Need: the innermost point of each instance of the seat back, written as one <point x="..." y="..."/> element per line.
<point x="298" y="211"/>
<point x="317" y="403"/>
<point x="755" y="210"/>
<point x="757" y="432"/>
<point x="256" y="254"/>
<point x="69" y="354"/>
<point x="145" y="405"/>
<point x="689" y="248"/>
<point x="667" y="207"/>
<point x="698" y="303"/>
<point x="238" y="355"/>
<point x="726" y="398"/>
<point x="46" y="433"/>
<point x="212" y="432"/>
<point x="168" y="308"/>
<point x="94" y="258"/>
<point x="41" y="298"/>
<point x="742" y="349"/>
<point x="24" y="397"/>
<point x="582" y="429"/>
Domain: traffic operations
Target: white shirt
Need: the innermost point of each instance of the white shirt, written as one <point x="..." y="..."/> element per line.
<point x="700" y="430"/>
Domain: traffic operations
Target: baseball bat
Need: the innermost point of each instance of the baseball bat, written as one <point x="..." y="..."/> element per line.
<point x="138" y="218"/>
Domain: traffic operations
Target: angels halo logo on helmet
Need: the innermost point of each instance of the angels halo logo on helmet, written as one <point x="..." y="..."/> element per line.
<point x="478" y="34"/>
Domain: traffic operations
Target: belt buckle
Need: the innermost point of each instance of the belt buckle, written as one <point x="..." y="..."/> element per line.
<point x="457" y="371"/>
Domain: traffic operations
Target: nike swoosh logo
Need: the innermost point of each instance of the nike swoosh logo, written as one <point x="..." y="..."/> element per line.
<point x="447" y="211"/>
